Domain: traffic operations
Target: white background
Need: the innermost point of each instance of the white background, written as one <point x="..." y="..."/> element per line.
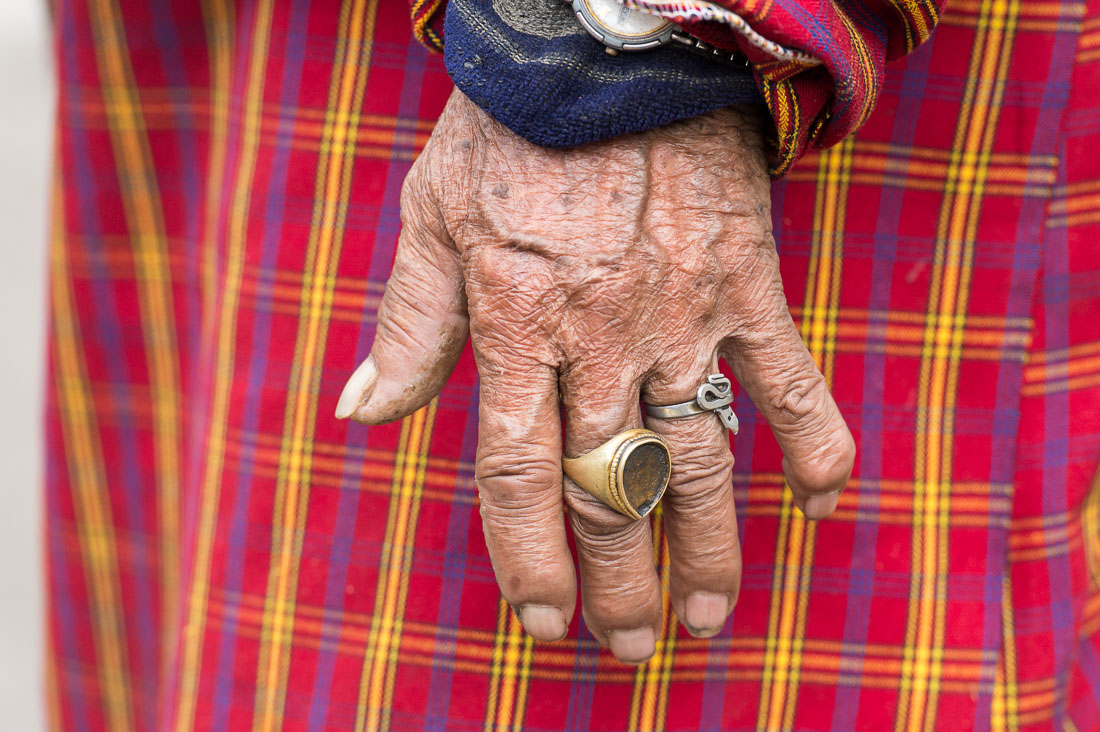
<point x="26" y="129"/>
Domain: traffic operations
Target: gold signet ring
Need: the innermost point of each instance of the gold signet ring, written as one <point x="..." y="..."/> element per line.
<point x="628" y="473"/>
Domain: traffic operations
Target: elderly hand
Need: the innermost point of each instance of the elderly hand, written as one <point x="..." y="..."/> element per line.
<point x="598" y="276"/>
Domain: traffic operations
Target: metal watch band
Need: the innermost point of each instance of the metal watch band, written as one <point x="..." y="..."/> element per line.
<point x="710" y="51"/>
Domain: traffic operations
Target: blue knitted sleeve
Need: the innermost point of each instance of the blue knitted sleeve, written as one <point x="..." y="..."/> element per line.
<point x="530" y="65"/>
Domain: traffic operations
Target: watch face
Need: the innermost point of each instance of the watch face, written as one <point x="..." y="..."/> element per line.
<point x="617" y="22"/>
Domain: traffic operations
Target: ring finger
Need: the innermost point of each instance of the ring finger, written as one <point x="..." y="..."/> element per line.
<point x="699" y="518"/>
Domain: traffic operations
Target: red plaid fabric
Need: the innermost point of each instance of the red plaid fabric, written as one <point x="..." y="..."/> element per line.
<point x="224" y="555"/>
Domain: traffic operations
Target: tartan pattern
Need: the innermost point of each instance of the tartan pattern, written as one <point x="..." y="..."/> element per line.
<point x="225" y="555"/>
<point x="427" y="22"/>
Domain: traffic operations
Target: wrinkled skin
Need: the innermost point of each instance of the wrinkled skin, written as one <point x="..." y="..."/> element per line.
<point x="589" y="278"/>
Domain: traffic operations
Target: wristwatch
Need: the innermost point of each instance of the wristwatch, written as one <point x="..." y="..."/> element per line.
<point x="620" y="28"/>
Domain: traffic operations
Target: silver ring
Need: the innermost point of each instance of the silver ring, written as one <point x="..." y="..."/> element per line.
<point x="715" y="395"/>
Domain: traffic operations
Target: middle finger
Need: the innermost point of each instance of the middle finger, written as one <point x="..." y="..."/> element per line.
<point x="620" y="591"/>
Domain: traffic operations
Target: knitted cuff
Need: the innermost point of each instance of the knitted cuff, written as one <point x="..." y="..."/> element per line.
<point x="530" y="65"/>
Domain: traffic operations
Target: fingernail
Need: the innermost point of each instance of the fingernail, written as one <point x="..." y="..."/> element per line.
<point x="358" y="389"/>
<point x="632" y="646"/>
<point x="705" y="613"/>
<point x="819" y="506"/>
<point x="544" y="623"/>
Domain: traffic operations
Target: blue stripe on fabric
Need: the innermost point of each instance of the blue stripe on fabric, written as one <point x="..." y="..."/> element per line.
<point x="386" y="233"/>
<point x="1025" y="266"/>
<point x="1056" y="457"/>
<point x="174" y="68"/>
<point x="824" y="42"/>
<point x="455" y="560"/>
<point x="582" y="691"/>
<point x="861" y="580"/>
<point x="866" y="20"/>
<point x="110" y="338"/>
<point x="63" y="624"/>
<point x="204" y="370"/>
<point x="271" y="236"/>
<point x="1088" y="664"/>
<point x="1056" y="284"/>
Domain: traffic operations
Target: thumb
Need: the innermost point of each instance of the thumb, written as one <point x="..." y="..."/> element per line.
<point x="422" y="323"/>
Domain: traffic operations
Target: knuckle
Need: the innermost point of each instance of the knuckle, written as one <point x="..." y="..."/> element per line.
<point x="509" y="483"/>
<point x="800" y="398"/>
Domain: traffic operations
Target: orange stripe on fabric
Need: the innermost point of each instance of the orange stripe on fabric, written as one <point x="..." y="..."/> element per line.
<point x="220" y="35"/>
<point x="349" y="77"/>
<point x="383" y="646"/>
<point x="1005" y="712"/>
<point x="88" y="483"/>
<point x="474" y="650"/>
<point x="795" y="544"/>
<point x="922" y="673"/>
<point x="1090" y="530"/>
<point x="501" y="638"/>
<point x="146" y="237"/>
<point x="509" y="672"/>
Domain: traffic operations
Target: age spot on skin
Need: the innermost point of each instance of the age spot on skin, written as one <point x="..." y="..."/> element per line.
<point x="704" y="282"/>
<point x="501" y="190"/>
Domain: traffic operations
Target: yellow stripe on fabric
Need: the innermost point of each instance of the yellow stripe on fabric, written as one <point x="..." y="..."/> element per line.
<point x="649" y="701"/>
<point x="1090" y="530"/>
<point x="145" y="224"/>
<point x="220" y="34"/>
<point x="1005" y="716"/>
<point x="331" y="191"/>
<point x="785" y="110"/>
<point x="88" y="482"/>
<point x="219" y="24"/>
<point x="509" y="673"/>
<point x="503" y="637"/>
<point x="376" y="681"/>
<point x="412" y="493"/>
<point x="666" y="650"/>
<point x="797" y="536"/>
<point x="949" y="295"/>
<point x="381" y="621"/>
<point x="523" y="683"/>
<point x="864" y="64"/>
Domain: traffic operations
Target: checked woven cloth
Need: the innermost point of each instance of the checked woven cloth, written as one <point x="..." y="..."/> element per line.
<point x="224" y="555"/>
